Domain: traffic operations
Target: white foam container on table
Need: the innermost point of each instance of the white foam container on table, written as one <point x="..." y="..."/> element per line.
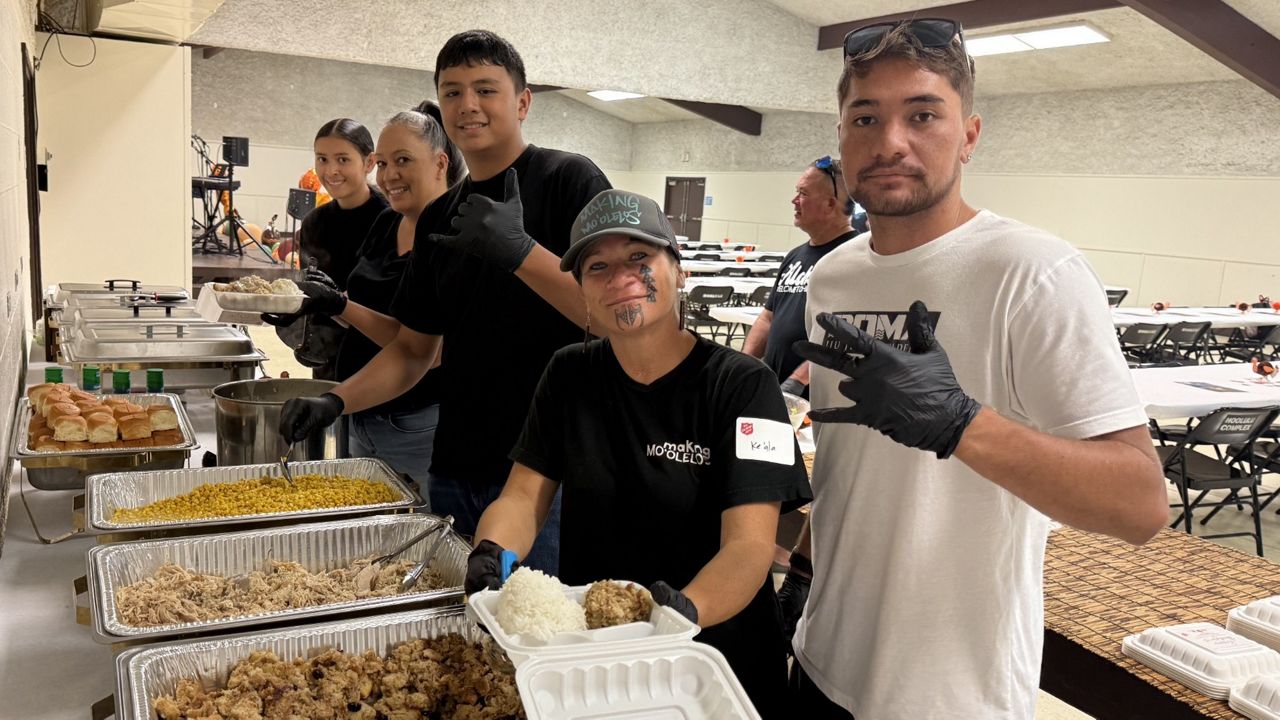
<point x="1259" y="621"/>
<point x="259" y="303"/>
<point x="1259" y="698"/>
<point x="665" y="627"/>
<point x="1205" y="657"/>
<point x="685" y="681"/>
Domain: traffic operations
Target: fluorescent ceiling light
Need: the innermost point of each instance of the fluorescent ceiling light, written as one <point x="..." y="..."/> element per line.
<point x="1065" y="36"/>
<point x="995" y="45"/>
<point x="1062" y="37"/>
<point x="611" y="95"/>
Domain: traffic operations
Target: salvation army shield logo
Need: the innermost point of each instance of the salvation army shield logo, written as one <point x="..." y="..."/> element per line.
<point x="746" y="428"/>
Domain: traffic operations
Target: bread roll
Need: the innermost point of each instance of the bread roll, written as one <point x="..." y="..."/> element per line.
<point x="57" y="411"/>
<point x="36" y="393"/>
<point x="163" y="417"/>
<point x="127" y="409"/>
<point x="77" y="445"/>
<point x="140" y="442"/>
<point x="70" y="427"/>
<point x="37" y="425"/>
<point x="113" y="400"/>
<point x="46" y="443"/>
<point x="77" y="394"/>
<point x="102" y="427"/>
<point x="167" y="437"/>
<point x="89" y="407"/>
<point x="51" y="398"/>
<point x="134" y="427"/>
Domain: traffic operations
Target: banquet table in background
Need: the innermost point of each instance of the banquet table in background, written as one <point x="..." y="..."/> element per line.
<point x="1218" y="317"/>
<point x="1197" y="390"/>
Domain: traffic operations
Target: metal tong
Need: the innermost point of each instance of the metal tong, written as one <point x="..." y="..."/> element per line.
<point x="284" y="465"/>
<point x="411" y="577"/>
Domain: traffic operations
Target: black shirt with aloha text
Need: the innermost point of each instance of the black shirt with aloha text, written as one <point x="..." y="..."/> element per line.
<point x="790" y="293"/>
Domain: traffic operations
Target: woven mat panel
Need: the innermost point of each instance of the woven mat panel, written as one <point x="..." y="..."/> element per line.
<point x="1097" y="590"/>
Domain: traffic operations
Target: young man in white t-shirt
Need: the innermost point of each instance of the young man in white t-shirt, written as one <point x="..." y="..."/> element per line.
<point x="935" y="488"/>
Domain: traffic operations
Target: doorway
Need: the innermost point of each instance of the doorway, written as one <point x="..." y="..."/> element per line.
<point x="683" y="205"/>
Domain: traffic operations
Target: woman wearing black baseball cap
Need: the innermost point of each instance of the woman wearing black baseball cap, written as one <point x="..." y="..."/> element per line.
<point x="675" y="454"/>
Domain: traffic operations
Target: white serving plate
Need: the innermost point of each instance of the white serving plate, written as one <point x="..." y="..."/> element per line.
<point x="1205" y="657"/>
<point x="689" y="681"/>
<point x="665" y="627"/>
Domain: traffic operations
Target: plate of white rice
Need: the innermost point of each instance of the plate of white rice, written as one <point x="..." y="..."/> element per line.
<point x="535" y="615"/>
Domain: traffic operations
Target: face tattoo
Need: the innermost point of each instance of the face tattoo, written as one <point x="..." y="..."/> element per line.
<point x="647" y="273"/>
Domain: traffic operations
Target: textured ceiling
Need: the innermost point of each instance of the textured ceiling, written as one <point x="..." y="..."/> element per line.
<point x="756" y="53"/>
<point x="636" y="110"/>
<point x="826" y="12"/>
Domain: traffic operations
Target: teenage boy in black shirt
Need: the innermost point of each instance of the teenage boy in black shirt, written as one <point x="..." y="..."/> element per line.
<point x="822" y="212"/>
<point x="485" y="276"/>
<point x="674" y="454"/>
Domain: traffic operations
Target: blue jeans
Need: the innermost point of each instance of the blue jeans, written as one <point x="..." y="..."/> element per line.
<point x="402" y="439"/>
<point x="466" y="503"/>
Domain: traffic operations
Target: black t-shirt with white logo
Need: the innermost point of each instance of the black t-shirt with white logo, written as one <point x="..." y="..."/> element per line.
<point x="647" y="471"/>
<point x="787" y="302"/>
<point x="373" y="283"/>
<point x="498" y="333"/>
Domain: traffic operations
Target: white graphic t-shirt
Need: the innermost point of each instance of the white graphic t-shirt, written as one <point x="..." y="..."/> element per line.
<point x="927" y="590"/>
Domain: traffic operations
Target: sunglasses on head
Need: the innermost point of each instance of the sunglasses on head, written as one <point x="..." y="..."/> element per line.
<point x="930" y="32"/>
<point x="827" y="165"/>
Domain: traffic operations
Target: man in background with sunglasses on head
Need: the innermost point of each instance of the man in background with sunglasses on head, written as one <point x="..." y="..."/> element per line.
<point x="934" y="489"/>
<point x="822" y="212"/>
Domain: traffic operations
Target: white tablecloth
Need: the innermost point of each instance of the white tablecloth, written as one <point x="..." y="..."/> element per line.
<point x="711" y="267"/>
<point x="743" y="315"/>
<point x="1165" y="392"/>
<point x="1218" y="317"/>
<point x="743" y="286"/>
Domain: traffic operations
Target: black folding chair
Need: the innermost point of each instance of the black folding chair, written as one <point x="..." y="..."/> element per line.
<point x="705" y="256"/>
<point x="760" y="295"/>
<point x="698" y="304"/>
<point x="1241" y="347"/>
<point x="708" y="246"/>
<point x="734" y="272"/>
<point x="1193" y="471"/>
<point x="771" y="272"/>
<point x="1185" y="342"/>
<point x="1138" y="342"/>
<point x="1115" y="297"/>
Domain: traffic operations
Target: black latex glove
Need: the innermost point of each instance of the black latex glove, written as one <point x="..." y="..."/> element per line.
<point x="317" y="275"/>
<point x="493" y="231"/>
<point x="321" y="298"/>
<point x="794" y="592"/>
<point x="912" y="397"/>
<point x="793" y="386"/>
<point x="302" y="416"/>
<point x="484" y="568"/>
<point x="664" y="594"/>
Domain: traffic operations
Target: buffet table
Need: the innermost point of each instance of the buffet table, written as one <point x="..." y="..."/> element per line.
<point x="1097" y="590"/>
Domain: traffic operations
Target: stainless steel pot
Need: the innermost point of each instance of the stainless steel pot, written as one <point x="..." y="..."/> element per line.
<point x="247" y="417"/>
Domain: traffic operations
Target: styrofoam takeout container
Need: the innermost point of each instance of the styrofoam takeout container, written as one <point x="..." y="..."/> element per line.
<point x="1259" y="621"/>
<point x="1259" y="698"/>
<point x="688" y="681"/>
<point x="1205" y="657"/>
<point x="665" y="627"/>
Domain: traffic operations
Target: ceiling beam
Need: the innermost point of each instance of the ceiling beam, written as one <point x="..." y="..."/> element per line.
<point x="974" y="14"/>
<point x="535" y="88"/>
<point x="744" y="120"/>
<point x="1221" y="32"/>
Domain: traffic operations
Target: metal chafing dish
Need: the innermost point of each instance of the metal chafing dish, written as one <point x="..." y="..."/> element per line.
<point x="105" y="493"/>
<point x="317" y="547"/>
<point x="61" y="293"/>
<point x="68" y="469"/>
<point x="148" y="672"/>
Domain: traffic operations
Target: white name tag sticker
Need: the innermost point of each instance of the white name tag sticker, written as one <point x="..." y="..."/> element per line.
<point x="766" y="440"/>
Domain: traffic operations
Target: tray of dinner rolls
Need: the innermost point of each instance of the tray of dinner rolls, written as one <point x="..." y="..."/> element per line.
<point x="57" y="419"/>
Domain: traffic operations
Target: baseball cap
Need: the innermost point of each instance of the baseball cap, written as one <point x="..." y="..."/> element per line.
<point x="618" y="212"/>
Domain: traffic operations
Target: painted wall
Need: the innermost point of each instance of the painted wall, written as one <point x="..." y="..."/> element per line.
<point x="120" y="178"/>
<point x="279" y="102"/>
<point x="17" y="20"/>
